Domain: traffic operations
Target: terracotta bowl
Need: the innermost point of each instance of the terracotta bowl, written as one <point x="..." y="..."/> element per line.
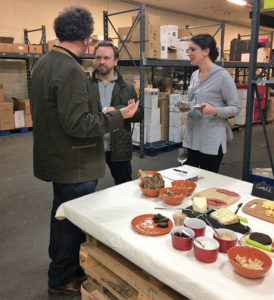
<point x="184" y="185"/>
<point x="207" y="254"/>
<point x="180" y="242"/>
<point x="224" y="243"/>
<point x="149" y="192"/>
<point x="172" y="200"/>
<point x="252" y="253"/>
<point x="148" y="172"/>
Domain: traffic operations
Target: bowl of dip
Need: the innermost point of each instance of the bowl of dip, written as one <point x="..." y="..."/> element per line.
<point x="227" y="239"/>
<point x="209" y="252"/>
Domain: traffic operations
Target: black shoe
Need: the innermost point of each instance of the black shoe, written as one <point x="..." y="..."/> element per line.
<point x="80" y="279"/>
<point x="72" y="288"/>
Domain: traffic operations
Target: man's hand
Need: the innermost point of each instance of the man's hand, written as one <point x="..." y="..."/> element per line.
<point x="108" y="109"/>
<point x="130" y="110"/>
<point x="208" y="109"/>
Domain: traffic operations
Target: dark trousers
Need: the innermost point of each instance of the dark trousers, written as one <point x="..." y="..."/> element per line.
<point x="204" y="161"/>
<point x="65" y="237"/>
<point x="121" y="170"/>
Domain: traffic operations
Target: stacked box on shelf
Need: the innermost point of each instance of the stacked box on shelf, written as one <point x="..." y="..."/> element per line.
<point x="168" y="38"/>
<point x="152" y="39"/>
<point x="242" y="92"/>
<point x="177" y="120"/>
<point x="22" y="105"/>
<point x="152" y="116"/>
<point x="164" y="115"/>
<point x="6" y="115"/>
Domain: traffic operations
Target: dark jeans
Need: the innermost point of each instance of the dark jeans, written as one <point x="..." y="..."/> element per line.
<point x="65" y="237"/>
<point x="121" y="170"/>
<point x="204" y="161"/>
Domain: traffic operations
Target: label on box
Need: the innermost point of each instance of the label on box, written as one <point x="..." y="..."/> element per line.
<point x="263" y="190"/>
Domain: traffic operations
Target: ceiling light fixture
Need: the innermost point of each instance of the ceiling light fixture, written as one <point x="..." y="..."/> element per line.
<point x="239" y="2"/>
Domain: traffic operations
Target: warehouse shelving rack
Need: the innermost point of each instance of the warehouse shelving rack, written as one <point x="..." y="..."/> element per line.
<point x="253" y="80"/>
<point x="147" y="62"/>
<point x="27" y="57"/>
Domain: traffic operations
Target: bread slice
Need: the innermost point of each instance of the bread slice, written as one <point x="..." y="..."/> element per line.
<point x="225" y="216"/>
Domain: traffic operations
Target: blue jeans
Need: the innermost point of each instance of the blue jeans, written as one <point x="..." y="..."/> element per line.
<point x="65" y="237"/>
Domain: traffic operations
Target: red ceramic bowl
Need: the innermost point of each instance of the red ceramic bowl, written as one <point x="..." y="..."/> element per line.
<point x="184" y="185"/>
<point x="252" y="253"/>
<point x="208" y="254"/>
<point x="182" y="243"/>
<point x="149" y="192"/>
<point x="148" y="172"/>
<point x="172" y="200"/>
<point x="197" y="225"/>
<point x="225" y="244"/>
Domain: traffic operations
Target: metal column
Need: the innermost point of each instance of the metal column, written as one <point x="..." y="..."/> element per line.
<point x="142" y="74"/>
<point x="251" y="87"/>
<point x="105" y="22"/>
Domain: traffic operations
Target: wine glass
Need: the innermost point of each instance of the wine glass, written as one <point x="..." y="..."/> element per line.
<point x="182" y="156"/>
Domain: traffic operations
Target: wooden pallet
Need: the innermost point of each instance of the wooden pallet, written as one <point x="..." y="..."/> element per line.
<point x="112" y="277"/>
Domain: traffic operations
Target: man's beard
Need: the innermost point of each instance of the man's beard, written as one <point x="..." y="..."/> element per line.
<point x="104" y="71"/>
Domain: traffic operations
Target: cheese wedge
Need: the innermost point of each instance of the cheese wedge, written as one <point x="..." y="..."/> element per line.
<point x="225" y="216"/>
<point x="268" y="207"/>
<point x="199" y="204"/>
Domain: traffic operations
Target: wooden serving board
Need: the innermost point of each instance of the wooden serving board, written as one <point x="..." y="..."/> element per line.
<point x="254" y="209"/>
<point x="243" y="243"/>
<point x="213" y="194"/>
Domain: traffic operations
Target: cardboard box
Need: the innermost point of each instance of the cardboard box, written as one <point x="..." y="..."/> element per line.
<point x="19" y="120"/>
<point x="20" y="48"/>
<point x="151" y="98"/>
<point x="35" y="49"/>
<point x="5" y="108"/>
<point x="6" y="116"/>
<point x="169" y="34"/>
<point x="177" y="119"/>
<point x="28" y="121"/>
<point x="164" y="133"/>
<point x="5" y="47"/>
<point x="22" y="104"/>
<point x="153" y="133"/>
<point x="173" y="100"/>
<point x="150" y="21"/>
<point x="182" y="50"/>
<point x="176" y="134"/>
<point x="270" y="110"/>
<point x="152" y="116"/>
<point x="51" y="43"/>
<point x="151" y="50"/>
<point x="136" y="134"/>
<point x="263" y="55"/>
<point x="183" y="33"/>
<point x="168" y="52"/>
<point x="1" y="93"/>
<point x="7" y="123"/>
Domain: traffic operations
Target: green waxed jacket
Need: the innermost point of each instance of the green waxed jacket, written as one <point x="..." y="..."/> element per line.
<point x="68" y="124"/>
<point x="121" y="142"/>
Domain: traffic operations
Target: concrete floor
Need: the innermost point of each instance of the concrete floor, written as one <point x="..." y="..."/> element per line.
<point x="26" y="204"/>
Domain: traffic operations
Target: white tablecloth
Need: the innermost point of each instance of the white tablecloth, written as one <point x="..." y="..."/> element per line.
<point x="107" y="214"/>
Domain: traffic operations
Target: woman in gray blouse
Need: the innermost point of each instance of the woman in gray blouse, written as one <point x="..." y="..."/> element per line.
<point x="213" y="90"/>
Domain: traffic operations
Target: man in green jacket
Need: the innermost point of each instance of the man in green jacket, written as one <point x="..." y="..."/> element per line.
<point x="113" y="92"/>
<point x="68" y="130"/>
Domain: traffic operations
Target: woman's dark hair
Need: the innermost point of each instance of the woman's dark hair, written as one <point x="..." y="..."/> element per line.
<point x="206" y="41"/>
<point x="73" y="24"/>
<point x="108" y="44"/>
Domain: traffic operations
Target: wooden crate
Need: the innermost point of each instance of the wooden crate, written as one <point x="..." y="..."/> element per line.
<point x="111" y="276"/>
